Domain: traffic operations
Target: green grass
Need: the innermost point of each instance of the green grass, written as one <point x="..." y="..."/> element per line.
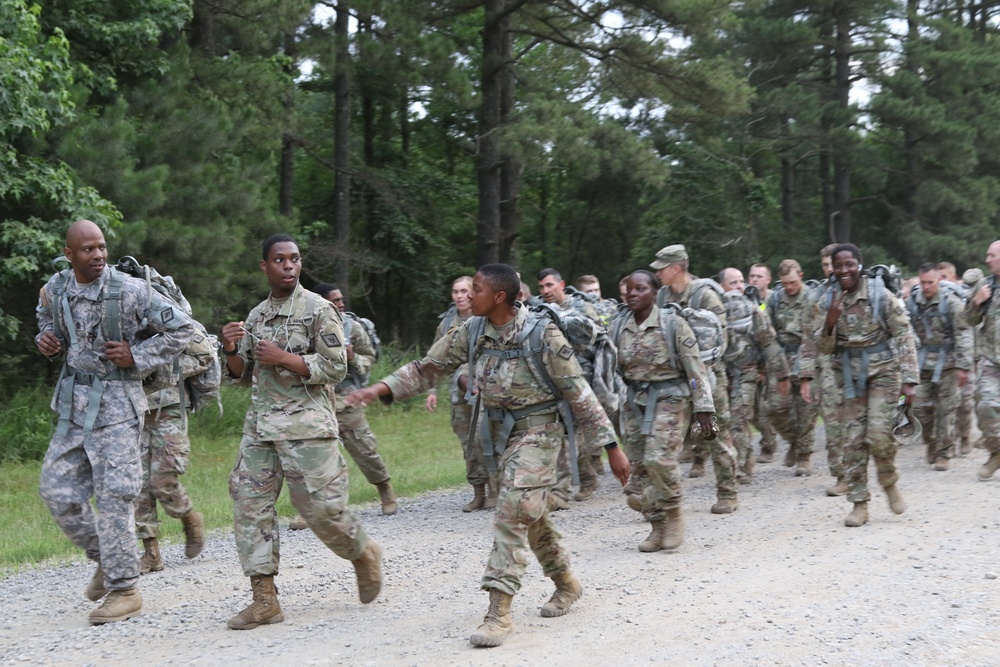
<point x="419" y="449"/>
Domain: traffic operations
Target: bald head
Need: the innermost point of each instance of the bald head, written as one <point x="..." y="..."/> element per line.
<point x="86" y="250"/>
<point x="732" y="279"/>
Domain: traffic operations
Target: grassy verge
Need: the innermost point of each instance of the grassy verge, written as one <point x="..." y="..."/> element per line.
<point x="419" y="449"/>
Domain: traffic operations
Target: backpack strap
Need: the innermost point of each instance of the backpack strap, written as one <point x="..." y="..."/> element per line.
<point x="112" y="300"/>
<point x="773" y="300"/>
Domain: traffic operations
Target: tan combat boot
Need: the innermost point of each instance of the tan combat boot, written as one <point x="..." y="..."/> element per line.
<point x="654" y="542"/>
<point x="194" y="533"/>
<point x="492" y="490"/>
<point x="498" y="622"/>
<point x="298" y="523"/>
<point x="838" y="489"/>
<point x="790" y="457"/>
<point x="725" y="506"/>
<point x="673" y="537"/>
<point x="765" y="457"/>
<point x="585" y="492"/>
<point x="634" y="501"/>
<point x="991" y="466"/>
<point x="858" y="515"/>
<point x="697" y="468"/>
<point x="387" y="497"/>
<point x="556" y="502"/>
<point x="896" y="502"/>
<point x="478" y="498"/>
<point x="804" y="467"/>
<point x="368" y="569"/>
<point x="568" y="591"/>
<point x="264" y="609"/>
<point x="965" y="447"/>
<point x="95" y="589"/>
<point x="941" y="463"/>
<point x="151" y="560"/>
<point x="118" y="606"/>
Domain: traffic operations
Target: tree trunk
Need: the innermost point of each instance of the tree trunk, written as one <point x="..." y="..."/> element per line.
<point x="286" y="170"/>
<point x="841" y="148"/>
<point x="909" y="134"/>
<point x="342" y="150"/>
<point x="787" y="185"/>
<point x="488" y="155"/>
<point x="510" y="168"/>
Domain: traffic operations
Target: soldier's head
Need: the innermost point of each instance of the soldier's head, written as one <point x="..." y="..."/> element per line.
<point x="671" y="265"/>
<point x="332" y="294"/>
<point x="86" y="251"/>
<point x="525" y="292"/>
<point x="760" y="277"/>
<point x="847" y="266"/>
<point x="494" y="289"/>
<point x="826" y="259"/>
<point x="282" y="264"/>
<point x="732" y="279"/>
<point x="551" y="286"/>
<point x="929" y="279"/>
<point x="641" y="288"/>
<point x="946" y="271"/>
<point x="993" y="258"/>
<point x="461" y="290"/>
<point x="623" y="288"/>
<point x="790" y="275"/>
<point x="589" y="284"/>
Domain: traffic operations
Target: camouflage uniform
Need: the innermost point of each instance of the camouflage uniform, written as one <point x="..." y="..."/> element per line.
<point x="722" y="450"/>
<point x="165" y="450"/>
<point x="944" y="348"/>
<point x="872" y="355"/>
<point x="830" y="395"/>
<point x="652" y="437"/>
<point x="290" y="432"/>
<point x="987" y="364"/>
<point x="355" y="433"/>
<point x="528" y="465"/>
<point x="96" y="452"/>
<point x="791" y="416"/>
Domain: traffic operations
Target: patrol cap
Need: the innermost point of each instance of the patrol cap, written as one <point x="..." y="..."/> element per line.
<point x="672" y="254"/>
<point x="972" y="277"/>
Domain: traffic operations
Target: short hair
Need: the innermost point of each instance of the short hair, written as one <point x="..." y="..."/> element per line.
<point x="787" y="266"/>
<point x="324" y="288"/>
<point x="827" y="251"/>
<point x="502" y="278"/>
<point x="761" y="266"/>
<point x="526" y="288"/>
<point x="648" y="275"/>
<point x="846" y="247"/>
<point x="272" y="240"/>
<point x="947" y="267"/>
<point x="624" y="280"/>
<point x="927" y="267"/>
<point x="723" y="272"/>
<point x="586" y="279"/>
<point x="460" y="279"/>
<point x="545" y="273"/>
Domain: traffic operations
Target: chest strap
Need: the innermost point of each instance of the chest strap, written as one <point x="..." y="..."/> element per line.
<point x="856" y="388"/>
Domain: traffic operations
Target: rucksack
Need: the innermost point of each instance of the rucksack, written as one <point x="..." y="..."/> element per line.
<point x="740" y="348"/>
<point x="369" y="327"/>
<point x="705" y="324"/>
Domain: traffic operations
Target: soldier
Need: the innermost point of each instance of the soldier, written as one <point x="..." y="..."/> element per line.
<point x="484" y="492"/>
<point x="113" y="331"/>
<point x="967" y="408"/>
<point x="945" y="357"/>
<point x="946" y="271"/>
<point x="290" y="347"/>
<point x="760" y="278"/>
<point x="866" y="330"/>
<point x="679" y="286"/>
<point x="519" y="391"/>
<point x="606" y="308"/>
<point x="984" y="309"/>
<point x="794" y="415"/>
<point x="666" y="382"/>
<point x="524" y="294"/>
<point x="752" y="352"/>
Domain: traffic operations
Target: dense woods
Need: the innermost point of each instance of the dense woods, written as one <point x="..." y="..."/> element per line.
<point x="404" y="143"/>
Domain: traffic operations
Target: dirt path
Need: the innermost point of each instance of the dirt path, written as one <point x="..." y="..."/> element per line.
<point x="780" y="582"/>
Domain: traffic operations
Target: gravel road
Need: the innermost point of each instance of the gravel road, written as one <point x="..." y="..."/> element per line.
<point x="780" y="582"/>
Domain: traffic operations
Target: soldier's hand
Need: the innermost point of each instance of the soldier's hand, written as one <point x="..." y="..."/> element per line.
<point x="832" y="315"/>
<point x="963" y="378"/>
<point x="909" y="391"/>
<point x="432" y="402"/>
<point x="231" y="335"/>
<point x="619" y="464"/>
<point x="350" y="352"/>
<point x="705" y="422"/>
<point x="362" y="397"/>
<point x="48" y="344"/>
<point x="119" y="353"/>
<point x="805" y="390"/>
<point x="982" y="295"/>
<point x="784" y="387"/>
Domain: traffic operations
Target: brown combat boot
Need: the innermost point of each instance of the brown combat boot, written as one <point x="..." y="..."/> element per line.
<point x="804" y="467"/>
<point x="368" y="569"/>
<point x="941" y="463"/>
<point x="498" y="622"/>
<point x="790" y="457"/>
<point x="858" y="516"/>
<point x="264" y="609"/>
<point x="194" y="533"/>
<point x="965" y="447"/>
<point x="991" y="466"/>
<point x="725" y="506"/>
<point x="585" y="492"/>
<point x="492" y="490"/>
<point x="568" y="591"/>
<point x="765" y="457"/>
<point x="673" y="537"/>
<point x="838" y="489"/>
<point x="697" y="468"/>
<point x="151" y="560"/>
<point x="118" y="606"/>
<point x="896" y="502"/>
<point x="298" y="523"/>
<point x="478" y="498"/>
<point x="634" y="501"/>
<point x="387" y="497"/>
<point x="556" y="502"/>
<point x="95" y="589"/>
<point x="654" y="542"/>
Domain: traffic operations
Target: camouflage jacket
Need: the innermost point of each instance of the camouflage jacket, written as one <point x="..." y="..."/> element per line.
<point x="285" y="405"/>
<point x="940" y="333"/>
<point x="362" y="359"/>
<point x="644" y="356"/>
<point x="767" y="355"/>
<point x="709" y="299"/>
<point x="988" y="340"/>
<point x="509" y="383"/>
<point x="167" y="331"/>
<point x="792" y="317"/>
<point x="451" y="319"/>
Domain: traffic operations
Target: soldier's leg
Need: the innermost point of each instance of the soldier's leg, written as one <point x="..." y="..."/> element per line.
<point x="662" y="487"/>
<point x="318" y="487"/>
<point x="66" y="485"/>
<point x="360" y="443"/>
<point x="741" y="397"/>
<point x="925" y="413"/>
<point x="988" y="414"/>
<point x="169" y="459"/>
<point x="721" y="448"/>
<point x="782" y="415"/>
<point x="633" y="444"/>
<point x="805" y="422"/>
<point x="946" y="415"/>
<point x="475" y="467"/>
<point x="254" y="485"/>
<point x="585" y="466"/>
<point x="967" y="414"/>
<point x="147" y="522"/>
<point x="564" y="478"/>
<point x="831" y="403"/>
<point x="883" y="391"/>
<point x="852" y="415"/>
<point x="768" y="440"/>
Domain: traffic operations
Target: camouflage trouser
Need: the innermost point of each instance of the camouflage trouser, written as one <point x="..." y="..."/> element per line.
<point x="988" y="403"/>
<point x="867" y="431"/>
<point x="657" y="452"/>
<point x="794" y="419"/>
<point x="759" y="418"/>
<point x="527" y="473"/>
<point x="360" y="443"/>
<point x="830" y="398"/>
<point x="461" y="422"/>
<point x="722" y="449"/>
<point x="584" y="464"/>
<point x="317" y="482"/>
<point x="165" y="449"/>
<point x="104" y="464"/>
<point x="936" y="408"/>
<point x="742" y="404"/>
<point x="967" y="409"/>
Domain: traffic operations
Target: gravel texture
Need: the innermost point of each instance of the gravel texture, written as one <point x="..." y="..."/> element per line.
<point x="780" y="582"/>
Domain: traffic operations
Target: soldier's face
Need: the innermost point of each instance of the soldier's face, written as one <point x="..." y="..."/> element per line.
<point x="792" y="283"/>
<point x="592" y="288"/>
<point x="639" y="293"/>
<point x="760" y="277"/>
<point x="668" y="274"/>
<point x="827" y="264"/>
<point x="460" y="292"/>
<point x="483" y="298"/>
<point x="733" y="280"/>
<point x="993" y="258"/>
<point x="552" y="290"/>
<point x="929" y="283"/>
<point x="847" y="269"/>
<point x="87" y="253"/>
<point x="336" y="297"/>
<point x="283" y="266"/>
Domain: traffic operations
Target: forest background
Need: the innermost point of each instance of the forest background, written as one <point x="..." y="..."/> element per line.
<point x="405" y="143"/>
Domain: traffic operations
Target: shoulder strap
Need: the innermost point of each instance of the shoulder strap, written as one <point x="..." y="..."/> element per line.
<point x="62" y="318"/>
<point x="773" y="299"/>
<point x="668" y="325"/>
<point x="476" y="327"/>
<point x="112" y="298"/>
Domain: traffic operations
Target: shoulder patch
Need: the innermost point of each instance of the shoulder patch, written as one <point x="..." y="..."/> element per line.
<point x="899" y="310"/>
<point x="565" y="352"/>
<point x="43" y="298"/>
<point x="167" y="314"/>
<point x="331" y="340"/>
<point x="689" y="342"/>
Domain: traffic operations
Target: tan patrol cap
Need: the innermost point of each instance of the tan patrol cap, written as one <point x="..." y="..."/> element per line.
<point x="672" y="254"/>
<point x="972" y="277"/>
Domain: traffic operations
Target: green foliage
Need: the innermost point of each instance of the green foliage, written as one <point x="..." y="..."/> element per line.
<point x="26" y="424"/>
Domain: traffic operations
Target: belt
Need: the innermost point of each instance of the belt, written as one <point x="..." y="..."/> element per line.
<point x="857" y="388"/>
<point x="509" y="419"/>
<point x="530" y="421"/>
<point x="96" y="385"/>
<point x="655" y="391"/>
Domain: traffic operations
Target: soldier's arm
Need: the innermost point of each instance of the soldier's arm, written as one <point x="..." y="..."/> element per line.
<point x="364" y="351"/>
<point x="694" y="368"/>
<point x="973" y="311"/>
<point x="46" y="341"/>
<point x="328" y="363"/>
<point x="899" y="327"/>
<point x="767" y="340"/>
<point x="173" y="331"/>
<point x="444" y="357"/>
<point x="438" y="333"/>
<point x="964" y="336"/>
